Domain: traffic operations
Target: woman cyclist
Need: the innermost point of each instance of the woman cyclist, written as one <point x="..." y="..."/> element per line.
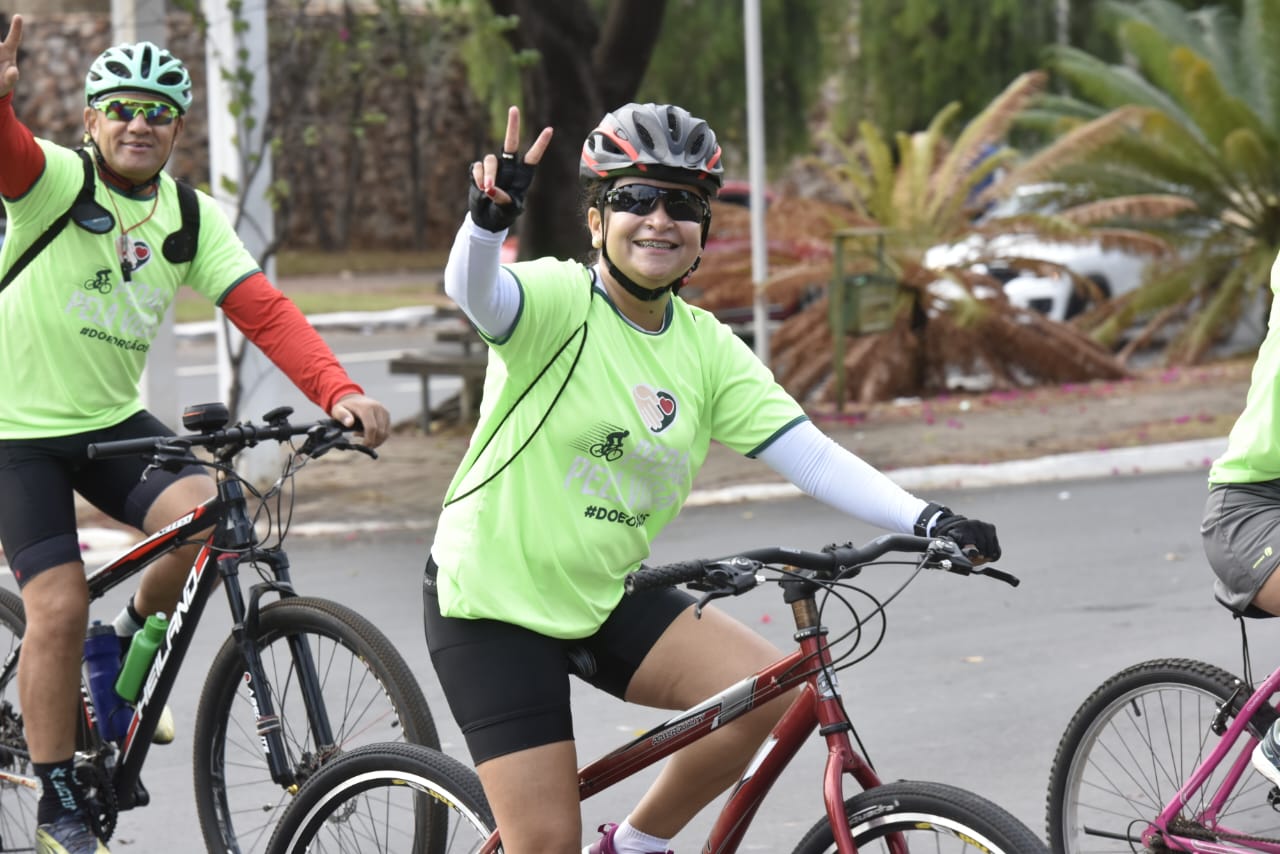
<point x="581" y="353"/>
<point x="76" y="320"/>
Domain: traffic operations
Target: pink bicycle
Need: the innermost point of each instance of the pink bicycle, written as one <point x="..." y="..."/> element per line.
<point x="1157" y="759"/>
<point x="376" y="798"/>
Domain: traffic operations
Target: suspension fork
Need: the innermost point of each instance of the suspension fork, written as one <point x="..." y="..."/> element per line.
<point x="299" y="648"/>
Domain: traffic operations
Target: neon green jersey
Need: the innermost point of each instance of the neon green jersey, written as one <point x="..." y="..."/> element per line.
<point x="76" y="335"/>
<point x="542" y="534"/>
<point x="1253" y="448"/>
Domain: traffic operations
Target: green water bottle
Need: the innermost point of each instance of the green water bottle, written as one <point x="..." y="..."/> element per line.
<point x="142" y="649"/>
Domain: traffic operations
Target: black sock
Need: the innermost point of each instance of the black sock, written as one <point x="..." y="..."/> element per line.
<point x="60" y="792"/>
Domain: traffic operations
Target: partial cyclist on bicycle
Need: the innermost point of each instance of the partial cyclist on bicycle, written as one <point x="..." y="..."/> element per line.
<point x="1241" y="526"/>
<point x="73" y="357"/>
<point x="583" y="355"/>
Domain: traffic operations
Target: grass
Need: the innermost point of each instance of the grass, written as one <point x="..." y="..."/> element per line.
<point x="324" y="282"/>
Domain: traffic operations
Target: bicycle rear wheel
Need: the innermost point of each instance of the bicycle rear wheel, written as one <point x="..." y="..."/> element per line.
<point x="369" y="693"/>
<point x="1133" y="743"/>
<point x="926" y="817"/>
<point x="17" y="798"/>
<point x="387" y="798"/>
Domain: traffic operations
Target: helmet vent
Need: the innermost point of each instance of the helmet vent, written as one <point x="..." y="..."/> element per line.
<point x="118" y="68"/>
<point x="695" y="148"/>
<point x="645" y="137"/>
<point x="146" y="62"/>
<point x="170" y="78"/>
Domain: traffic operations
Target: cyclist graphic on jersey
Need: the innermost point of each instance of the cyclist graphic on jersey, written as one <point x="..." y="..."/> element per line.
<point x="611" y="447"/>
<point x="101" y="282"/>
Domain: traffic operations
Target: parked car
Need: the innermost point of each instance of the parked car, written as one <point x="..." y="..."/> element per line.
<point x="1055" y="294"/>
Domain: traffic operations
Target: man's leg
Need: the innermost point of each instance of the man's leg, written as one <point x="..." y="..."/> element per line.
<point x="162" y="582"/>
<point x="57" y="607"/>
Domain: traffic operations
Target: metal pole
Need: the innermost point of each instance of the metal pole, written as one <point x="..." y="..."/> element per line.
<point x="237" y="45"/>
<point x="756" y="175"/>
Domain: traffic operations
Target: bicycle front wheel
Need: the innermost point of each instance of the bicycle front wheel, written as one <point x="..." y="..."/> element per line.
<point x="1131" y="746"/>
<point x="369" y="693"/>
<point x="18" y="796"/>
<point x="924" y="817"/>
<point x="387" y="798"/>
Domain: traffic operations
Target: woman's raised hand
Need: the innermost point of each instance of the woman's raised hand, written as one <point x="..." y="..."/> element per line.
<point x="494" y="175"/>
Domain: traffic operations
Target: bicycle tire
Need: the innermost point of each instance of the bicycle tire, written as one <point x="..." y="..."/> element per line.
<point x="236" y="800"/>
<point x="1131" y="745"/>
<point x="950" y="819"/>
<point x="17" y="802"/>
<point x="374" y="798"/>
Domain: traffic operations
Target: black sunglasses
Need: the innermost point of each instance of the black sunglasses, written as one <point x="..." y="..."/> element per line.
<point x="640" y="200"/>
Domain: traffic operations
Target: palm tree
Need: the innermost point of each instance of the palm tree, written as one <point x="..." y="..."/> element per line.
<point x="951" y="318"/>
<point x="1196" y="116"/>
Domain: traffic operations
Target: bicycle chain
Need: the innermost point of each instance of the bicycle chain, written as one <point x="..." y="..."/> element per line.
<point x="1185" y="827"/>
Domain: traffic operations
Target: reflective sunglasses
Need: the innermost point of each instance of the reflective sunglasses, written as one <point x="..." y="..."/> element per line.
<point x="640" y="200"/>
<point x="124" y="110"/>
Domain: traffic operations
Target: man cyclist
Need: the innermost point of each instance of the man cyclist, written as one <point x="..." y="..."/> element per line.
<point x="72" y="359"/>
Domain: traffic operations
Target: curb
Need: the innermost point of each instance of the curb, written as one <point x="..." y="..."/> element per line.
<point x="101" y="544"/>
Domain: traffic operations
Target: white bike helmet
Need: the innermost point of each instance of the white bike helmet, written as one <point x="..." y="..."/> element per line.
<point x="140" y="67"/>
<point x="659" y="141"/>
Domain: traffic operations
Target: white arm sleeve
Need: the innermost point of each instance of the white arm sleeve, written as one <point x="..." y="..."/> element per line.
<point x="836" y="476"/>
<point x="473" y="278"/>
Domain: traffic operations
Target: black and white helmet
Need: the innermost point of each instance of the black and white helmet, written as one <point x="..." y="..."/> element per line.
<point x="659" y="141"/>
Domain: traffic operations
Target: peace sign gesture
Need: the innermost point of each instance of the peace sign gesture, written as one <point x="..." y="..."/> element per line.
<point x="499" y="182"/>
<point x="9" y="56"/>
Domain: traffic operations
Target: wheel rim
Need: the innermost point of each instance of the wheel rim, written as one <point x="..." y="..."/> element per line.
<point x="382" y="811"/>
<point x="360" y="712"/>
<point x="1134" y="757"/>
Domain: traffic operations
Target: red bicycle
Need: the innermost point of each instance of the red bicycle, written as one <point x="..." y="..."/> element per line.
<point x="375" y="798"/>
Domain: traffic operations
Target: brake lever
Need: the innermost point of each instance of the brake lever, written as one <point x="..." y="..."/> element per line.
<point x="999" y="575"/>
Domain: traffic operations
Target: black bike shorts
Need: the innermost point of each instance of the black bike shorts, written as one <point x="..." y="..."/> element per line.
<point x="37" y="481"/>
<point x="508" y="687"/>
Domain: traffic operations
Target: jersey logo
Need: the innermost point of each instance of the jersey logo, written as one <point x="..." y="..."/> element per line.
<point x="657" y="408"/>
<point x="141" y="254"/>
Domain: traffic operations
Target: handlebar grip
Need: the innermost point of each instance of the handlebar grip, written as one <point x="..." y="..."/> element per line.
<point x="125" y="447"/>
<point x="667" y="575"/>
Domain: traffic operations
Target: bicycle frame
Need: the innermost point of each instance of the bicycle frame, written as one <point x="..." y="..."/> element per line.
<point x="218" y="558"/>
<point x="817" y="705"/>
<point x="1239" y="767"/>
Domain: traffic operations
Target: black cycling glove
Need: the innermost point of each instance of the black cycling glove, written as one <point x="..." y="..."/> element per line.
<point x="514" y="176"/>
<point x="965" y="531"/>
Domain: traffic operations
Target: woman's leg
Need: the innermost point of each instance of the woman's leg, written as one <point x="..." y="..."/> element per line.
<point x="694" y="659"/>
<point x="534" y="797"/>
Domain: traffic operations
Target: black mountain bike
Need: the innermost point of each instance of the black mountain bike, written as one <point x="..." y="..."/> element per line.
<point x="300" y="680"/>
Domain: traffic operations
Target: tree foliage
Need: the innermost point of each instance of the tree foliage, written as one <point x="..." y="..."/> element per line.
<point x="1197" y="115"/>
<point x="904" y="194"/>
<point x="700" y="63"/>
<point x="916" y="56"/>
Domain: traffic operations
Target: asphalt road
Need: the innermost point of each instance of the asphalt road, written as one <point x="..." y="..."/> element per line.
<point x="973" y="684"/>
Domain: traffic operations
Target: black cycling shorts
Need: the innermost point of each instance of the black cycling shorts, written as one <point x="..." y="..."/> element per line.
<point x="522" y="698"/>
<point x="39" y="476"/>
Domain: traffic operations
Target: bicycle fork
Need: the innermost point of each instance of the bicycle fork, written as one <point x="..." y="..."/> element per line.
<point x="245" y="630"/>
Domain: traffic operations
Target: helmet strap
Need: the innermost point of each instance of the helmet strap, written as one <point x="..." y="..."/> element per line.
<point x="116" y="178"/>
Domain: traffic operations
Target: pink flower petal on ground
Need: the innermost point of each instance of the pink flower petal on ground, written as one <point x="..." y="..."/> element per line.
<point x="955" y="424"/>
<point x="1182" y="419"/>
<point x="765" y="618"/>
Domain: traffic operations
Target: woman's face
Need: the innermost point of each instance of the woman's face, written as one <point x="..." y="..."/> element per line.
<point x="135" y="148"/>
<point x="636" y="226"/>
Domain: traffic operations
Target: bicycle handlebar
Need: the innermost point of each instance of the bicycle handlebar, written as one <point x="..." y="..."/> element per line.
<point x="322" y="436"/>
<point x="737" y="571"/>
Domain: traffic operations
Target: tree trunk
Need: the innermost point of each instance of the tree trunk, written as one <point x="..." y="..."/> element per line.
<point x="582" y="74"/>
